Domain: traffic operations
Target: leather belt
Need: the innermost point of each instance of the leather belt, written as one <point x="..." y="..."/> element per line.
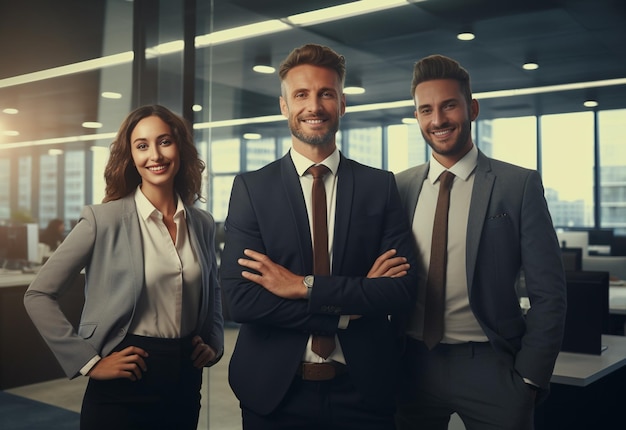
<point x="321" y="371"/>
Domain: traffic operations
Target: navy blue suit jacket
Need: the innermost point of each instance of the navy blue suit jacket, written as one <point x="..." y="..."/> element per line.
<point x="267" y="213"/>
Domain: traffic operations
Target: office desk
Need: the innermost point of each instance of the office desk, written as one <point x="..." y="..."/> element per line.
<point x="587" y="391"/>
<point x="581" y="370"/>
<point x="24" y="356"/>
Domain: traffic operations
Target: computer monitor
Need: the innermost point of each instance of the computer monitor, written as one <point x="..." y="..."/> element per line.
<point x="20" y="242"/>
<point x="572" y="259"/>
<point x="618" y="246"/>
<point x="587" y="311"/>
<point x="574" y="239"/>
<point x="600" y="236"/>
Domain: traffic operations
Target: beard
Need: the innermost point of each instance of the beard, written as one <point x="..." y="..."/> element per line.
<point x="313" y="139"/>
<point x="459" y="144"/>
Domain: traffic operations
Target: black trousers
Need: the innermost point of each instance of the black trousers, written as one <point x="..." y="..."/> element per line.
<point x="328" y="405"/>
<point x="166" y="397"/>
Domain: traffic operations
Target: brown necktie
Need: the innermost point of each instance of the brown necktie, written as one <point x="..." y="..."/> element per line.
<point x="321" y="345"/>
<point x="434" y="305"/>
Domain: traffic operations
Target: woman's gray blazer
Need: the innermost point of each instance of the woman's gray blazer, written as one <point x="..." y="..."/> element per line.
<point x="107" y="243"/>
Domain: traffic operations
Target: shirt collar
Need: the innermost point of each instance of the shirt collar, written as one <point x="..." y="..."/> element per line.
<point x="462" y="168"/>
<point x="302" y="163"/>
<point x="147" y="209"/>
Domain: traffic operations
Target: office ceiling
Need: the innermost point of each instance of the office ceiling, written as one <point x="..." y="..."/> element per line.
<point x="575" y="41"/>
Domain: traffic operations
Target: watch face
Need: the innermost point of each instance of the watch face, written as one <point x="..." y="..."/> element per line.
<point x="308" y="281"/>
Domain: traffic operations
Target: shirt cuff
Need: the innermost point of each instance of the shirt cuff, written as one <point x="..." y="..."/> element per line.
<point x="344" y="320"/>
<point x="87" y="367"/>
<point x="531" y="383"/>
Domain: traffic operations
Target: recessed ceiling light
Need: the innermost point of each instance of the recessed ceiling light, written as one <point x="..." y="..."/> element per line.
<point x="10" y="111"/>
<point x="263" y="68"/>
<point x="353" y="90"/>
<point x="531" y="65"/>
<point x="111" y="95"/>
<point x="196" y="108"/>
<point x="252" y="136"/>
<point x="55" y="152"/>
<point x="590" y="103"/>
<point x="465" y="35"/>
<point x="409" y="121"/>
<point x="92" y="124"/>
<point x="11" y="133"/>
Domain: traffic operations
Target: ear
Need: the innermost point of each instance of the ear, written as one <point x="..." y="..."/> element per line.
<point x="474" y="109"/>
<point x="343" y="105"/>
<point x="284" y="109"/>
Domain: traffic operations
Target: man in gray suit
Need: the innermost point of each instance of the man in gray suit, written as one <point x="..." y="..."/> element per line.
<point x="490" y="364"/>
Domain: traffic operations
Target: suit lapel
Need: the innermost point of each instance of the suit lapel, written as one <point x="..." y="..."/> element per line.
<point x="412" y="191"/>
<point x="481" y="195"/>
<point x="343" y="211"/>
<point x="132" y="231"/>
<point x="297" y="207"/>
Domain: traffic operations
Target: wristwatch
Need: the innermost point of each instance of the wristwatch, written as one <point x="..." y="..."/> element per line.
<point x="308" y="283"/>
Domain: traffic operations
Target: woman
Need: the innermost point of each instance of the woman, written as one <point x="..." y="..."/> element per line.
<point x="152" y="317"/>
<point x="54" y="234"/>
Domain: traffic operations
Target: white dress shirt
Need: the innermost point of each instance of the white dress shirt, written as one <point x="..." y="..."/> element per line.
<point x="460" y="325"/>
<point x="330" y="183"/>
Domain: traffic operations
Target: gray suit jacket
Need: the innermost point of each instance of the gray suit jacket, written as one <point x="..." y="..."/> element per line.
<point x="107" y="243"/>
<point x="509" y="229"/>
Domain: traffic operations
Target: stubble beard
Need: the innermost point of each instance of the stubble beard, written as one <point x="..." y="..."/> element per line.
<point x="459" y="144"/>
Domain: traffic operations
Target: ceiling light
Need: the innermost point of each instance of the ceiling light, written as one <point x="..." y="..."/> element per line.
<point x="409" y="121"/>
<point x="466" y="35"/>
<point x="92" y="124"/>
<point x="344" y="11"/>
<point x="590" y="103"/>
<point x="111" y="95"/>
<point x="196" y="108"/>
<point x="252" y="136"/>
<point x="353" y="89"/>
<point x="262" y="68"/>
<point x="10" y="111"/>
<point x="530" y="65"/>
<point x="11" y="133"/>
<point x="55" y="152"/>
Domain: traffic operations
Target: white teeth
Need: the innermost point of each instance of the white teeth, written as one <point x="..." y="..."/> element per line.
<point x="156" y="168"/>
<point x="314" y="121"/>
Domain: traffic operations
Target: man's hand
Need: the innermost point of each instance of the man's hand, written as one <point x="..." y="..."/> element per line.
<point x="273" y="277"/>
<point x="128" y="363"/>
<point x="202" y="353"/>
<point x="389" y="266"/>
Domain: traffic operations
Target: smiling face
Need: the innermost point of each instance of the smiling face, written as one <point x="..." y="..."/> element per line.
<point x="313" y="101"/>
<point x="155" y="155"/>
<point x="445" y="119"/>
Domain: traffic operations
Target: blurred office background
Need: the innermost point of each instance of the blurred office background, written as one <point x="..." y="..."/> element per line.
<point x="550" y="76"/>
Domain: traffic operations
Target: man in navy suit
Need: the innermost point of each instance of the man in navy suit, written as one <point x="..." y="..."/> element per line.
<point x="267" y="265"/>
<point x="491" y="363"/>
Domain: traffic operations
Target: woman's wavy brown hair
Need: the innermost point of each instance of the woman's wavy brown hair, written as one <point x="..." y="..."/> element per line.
<point x="120" y="173"/>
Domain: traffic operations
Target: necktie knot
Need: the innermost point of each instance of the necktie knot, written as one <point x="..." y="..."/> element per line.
<point x="318" y="171"/>
<point x="445" y="180"/>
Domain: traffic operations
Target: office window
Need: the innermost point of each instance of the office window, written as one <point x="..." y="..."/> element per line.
<point x="405" y="147"/>
<point x="100" y="157"/>
<point x="74" y="197"/>
<point x="5" y="188"/>
<point x="259" y="153"/>
<point x="365" y="145"/>
<point x="612" y="129"/>
<point x="567" y="142"/>
<point x="48" y="176"/>
<point x="513" y="140"/>
<point x="24" y="186"/>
